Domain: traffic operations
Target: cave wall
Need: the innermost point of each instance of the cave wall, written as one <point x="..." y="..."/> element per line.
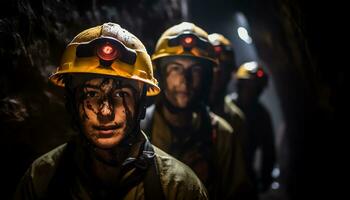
<point x="299" y="42"/>
<point x="33" y="35"/>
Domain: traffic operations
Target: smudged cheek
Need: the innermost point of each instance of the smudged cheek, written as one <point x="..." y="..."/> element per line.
<point x="119" y="113"/>
<point x="87" y="119"/>
<point x="88" y="112"/>
<point x="129" y="104"/>
<point x="178" y="93"/>
<point x="171" y="88"/>
<point x="196" y="83"/>
<point x="175" y="82"/>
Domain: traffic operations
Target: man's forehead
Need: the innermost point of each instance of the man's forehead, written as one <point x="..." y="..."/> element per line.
<point x="185" y="61"/>
<point x="98" y="81"/>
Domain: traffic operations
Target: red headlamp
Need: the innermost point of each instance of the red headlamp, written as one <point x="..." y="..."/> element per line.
<point x="107" y="52"/>
<point x="217" y="50"/>
<point x="259" y="73"/>
<point x="188" y="41"/>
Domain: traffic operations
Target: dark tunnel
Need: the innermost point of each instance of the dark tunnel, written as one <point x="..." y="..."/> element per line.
<point x="292" y="39"/>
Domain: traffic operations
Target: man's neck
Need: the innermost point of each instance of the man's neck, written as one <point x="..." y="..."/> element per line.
<point x="217" y="103"/>
<point x="105" y="173"/>
<point x="178" y="119"/>
<point x="106" y="165"/>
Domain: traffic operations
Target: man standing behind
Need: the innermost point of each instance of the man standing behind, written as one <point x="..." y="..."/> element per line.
<point x="251" y="80"/>
<point x="219" y="103"/>
<point x="180" y="123"/>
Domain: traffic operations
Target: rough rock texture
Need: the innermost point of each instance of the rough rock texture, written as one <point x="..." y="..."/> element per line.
<point x="33" y="35"/>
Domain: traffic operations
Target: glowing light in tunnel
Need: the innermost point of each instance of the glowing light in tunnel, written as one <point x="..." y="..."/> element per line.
<point x="275" y="185"/>
<point x="275" y="172"/>
<point x="244" y="35"/>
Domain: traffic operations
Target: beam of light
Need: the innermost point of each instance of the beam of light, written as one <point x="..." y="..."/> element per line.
<point x="244" y="35"/>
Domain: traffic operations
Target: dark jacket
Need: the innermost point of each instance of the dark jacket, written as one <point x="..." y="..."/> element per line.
<point x="210" y="147"/>
<point x="176" y="179"/>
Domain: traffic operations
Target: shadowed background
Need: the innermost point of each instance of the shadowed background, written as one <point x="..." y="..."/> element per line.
<point x="288" y="36"/>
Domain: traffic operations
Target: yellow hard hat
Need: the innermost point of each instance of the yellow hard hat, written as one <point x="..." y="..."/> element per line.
<point x="107" y="49"/>
<point x="251" y="70"/>
<point x="185" y="39"/>
<point x="222" y="47"/>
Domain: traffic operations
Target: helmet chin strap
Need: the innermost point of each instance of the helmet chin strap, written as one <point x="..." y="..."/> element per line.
<point x="141" y="111"/>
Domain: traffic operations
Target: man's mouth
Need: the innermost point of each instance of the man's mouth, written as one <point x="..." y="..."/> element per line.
<point x="107" y="129"/>
<point x="183" y="93"/>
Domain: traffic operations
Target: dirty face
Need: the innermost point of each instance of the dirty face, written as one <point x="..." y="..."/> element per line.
<point x="183" y="81"/>
<point x="106" y="109"/>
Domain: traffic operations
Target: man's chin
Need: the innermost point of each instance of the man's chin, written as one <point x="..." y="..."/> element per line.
<point x="107" y="143"/>
<point x="182" y="102"/>
<point x="183" y="106"/>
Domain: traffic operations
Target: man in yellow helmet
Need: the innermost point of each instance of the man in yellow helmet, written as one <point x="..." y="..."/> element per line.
<point x="181" y="124"/>
<point x="219" y="103"/>
<point x="251" y="80"/>
<point x="107" y="75"/>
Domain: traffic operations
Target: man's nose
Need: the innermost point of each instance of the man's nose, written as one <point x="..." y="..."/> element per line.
<point x="106" y="113"/>
<point x="188" y="76"/>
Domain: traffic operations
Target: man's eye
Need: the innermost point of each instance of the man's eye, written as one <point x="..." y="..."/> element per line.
<point x="175" y="68"/>
<point x="91" y="94"/>
<point x="196" y="69"/>
<point x="120" y="94"/>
